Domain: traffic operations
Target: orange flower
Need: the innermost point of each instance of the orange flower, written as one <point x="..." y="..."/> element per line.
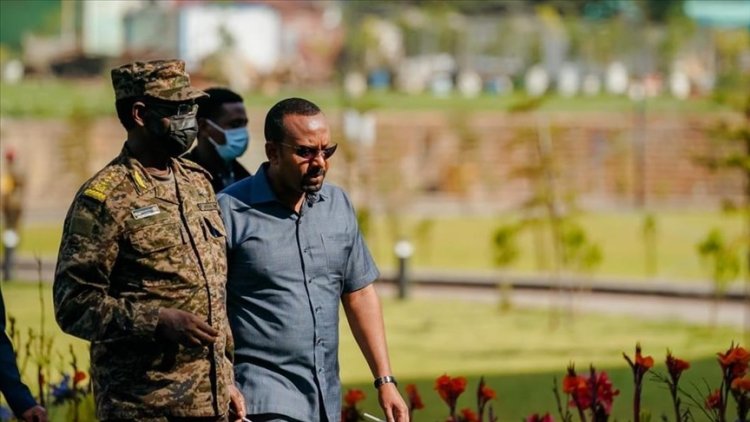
<point x="646" y="362"/>
<point x="713" y="401"/>
<point x="641" y="364"/>
<point x="78" y="377"/>
<point x="741" y="384"/>
<point x="415" y="400"/>
<point x="735" y="360"/>
<point x="468" y="415"/>
<point x="354" y="396"/>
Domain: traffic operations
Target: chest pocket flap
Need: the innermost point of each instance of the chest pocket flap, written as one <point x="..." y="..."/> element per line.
<point x="214" y="225"/>
<point x="156" y="237"/>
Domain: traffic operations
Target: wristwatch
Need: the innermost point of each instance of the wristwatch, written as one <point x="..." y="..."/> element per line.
<point x="384" y="380"/>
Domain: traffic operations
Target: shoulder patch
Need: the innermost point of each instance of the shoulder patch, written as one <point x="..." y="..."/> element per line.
<point x="95" y="194"/>
<point x="81" y="225"/>
<point x="101" y="185"/>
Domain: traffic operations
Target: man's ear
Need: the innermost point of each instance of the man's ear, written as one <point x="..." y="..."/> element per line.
<point x="272" y="152"/>
<point x="139" y="113"/>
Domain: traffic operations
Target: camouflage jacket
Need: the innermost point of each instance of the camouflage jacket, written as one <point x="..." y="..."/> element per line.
<point x="132" y="245"/>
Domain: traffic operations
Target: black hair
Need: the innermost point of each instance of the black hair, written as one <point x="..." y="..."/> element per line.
<point x="210" y="107"/>
<point x="274" y="126"/>
<point x="124" y="107"/>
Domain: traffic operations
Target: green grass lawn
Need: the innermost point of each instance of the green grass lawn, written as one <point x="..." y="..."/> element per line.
<point x="57" y="98"/>
<point x="462" y="243"/>
<point x="516" y="351"/>
<point x="465" y="243"/>
<point x="41" y="240"/>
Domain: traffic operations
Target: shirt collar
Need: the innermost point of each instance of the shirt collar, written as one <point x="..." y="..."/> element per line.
<point x="260" y="189"/>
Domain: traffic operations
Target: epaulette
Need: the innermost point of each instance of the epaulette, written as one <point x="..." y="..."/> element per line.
<point x="101" y="185"/>
<point x="192" y="165"/>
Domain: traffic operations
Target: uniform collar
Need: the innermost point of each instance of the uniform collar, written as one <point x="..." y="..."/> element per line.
<point x="142" y="180"/>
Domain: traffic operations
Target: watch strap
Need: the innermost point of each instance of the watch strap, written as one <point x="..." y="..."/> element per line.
<point x="384" y="380"/>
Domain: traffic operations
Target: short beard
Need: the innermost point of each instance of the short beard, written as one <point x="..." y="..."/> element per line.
<point x="309" y="188"/>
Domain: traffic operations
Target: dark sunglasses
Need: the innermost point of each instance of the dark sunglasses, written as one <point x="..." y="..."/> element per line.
<point x="169" y="110"/>
<point x="309" y="153"/>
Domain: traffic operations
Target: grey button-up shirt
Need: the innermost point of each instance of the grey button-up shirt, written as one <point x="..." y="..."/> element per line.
<point x="287" y="272"/>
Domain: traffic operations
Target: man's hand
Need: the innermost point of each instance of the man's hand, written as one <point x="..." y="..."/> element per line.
<point x="393" y="404"/>
<point x="236" y="404"/>
<point x="35" y="414"/>
<point x="184" y="328"/>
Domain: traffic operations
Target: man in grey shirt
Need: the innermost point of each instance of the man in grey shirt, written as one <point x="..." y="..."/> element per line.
<point x="294" y="251"/>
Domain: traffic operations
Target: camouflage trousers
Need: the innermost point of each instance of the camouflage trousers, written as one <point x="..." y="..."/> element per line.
<point x="174" y="419"/>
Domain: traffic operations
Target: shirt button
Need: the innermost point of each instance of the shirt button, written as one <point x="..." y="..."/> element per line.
<point x="320" y="341"/>
<point x="320" y="370"/>
<point x="317" y="310"/>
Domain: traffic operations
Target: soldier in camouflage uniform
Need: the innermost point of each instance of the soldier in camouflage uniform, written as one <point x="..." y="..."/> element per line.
<point x="142" y="266"/>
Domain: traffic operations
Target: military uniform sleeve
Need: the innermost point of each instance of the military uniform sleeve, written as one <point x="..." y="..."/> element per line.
<point x="88" y="252"/>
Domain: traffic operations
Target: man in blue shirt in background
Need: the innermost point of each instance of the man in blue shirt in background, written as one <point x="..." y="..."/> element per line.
<point x="294" y="251"/>
<point x="16" y="393"/>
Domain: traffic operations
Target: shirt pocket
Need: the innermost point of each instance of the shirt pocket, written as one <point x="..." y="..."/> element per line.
<point x="338" y="247"/>
<point x="156" y="237"/>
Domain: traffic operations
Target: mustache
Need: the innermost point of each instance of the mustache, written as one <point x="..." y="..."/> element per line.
<point x="316" y="172"/>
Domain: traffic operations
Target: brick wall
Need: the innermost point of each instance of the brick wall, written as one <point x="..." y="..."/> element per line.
<point x="434" y="161"/>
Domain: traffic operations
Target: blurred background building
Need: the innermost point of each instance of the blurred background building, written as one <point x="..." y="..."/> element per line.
<point x="513" y="57"/>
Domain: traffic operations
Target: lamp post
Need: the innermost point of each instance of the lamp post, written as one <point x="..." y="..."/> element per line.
<point x="403" y="250"/>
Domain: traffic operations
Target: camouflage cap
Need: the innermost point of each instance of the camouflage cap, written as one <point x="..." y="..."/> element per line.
<point x="163" y="79"/>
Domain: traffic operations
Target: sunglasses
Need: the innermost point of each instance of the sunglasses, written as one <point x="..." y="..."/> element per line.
<point x="309" y="153"/>
<point x="170" y="110"/>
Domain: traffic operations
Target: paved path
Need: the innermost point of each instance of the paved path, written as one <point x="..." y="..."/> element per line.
<point x="692" y="310"/>
<point x="660" y="299"/>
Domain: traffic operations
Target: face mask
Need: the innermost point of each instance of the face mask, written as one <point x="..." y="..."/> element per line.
<point x="236" y="142"/>
<point x="180" y="134"/>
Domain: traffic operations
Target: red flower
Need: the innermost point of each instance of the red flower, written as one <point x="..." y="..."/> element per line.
<point x="353" y="396"/>
<point x="713" y="401"/>
<point x="450" y="388"/>
<point x="486" y="394"/>
<point x="741" y="384"/>
<point x="78" y="377"/>
<point x="415" y="400"/>
<point x="574" y="384"/>
<point x="536" y="418"/>
<point x="605" y="392"/>
<point x="468" y="415"/>
<point x="578" y="388"/>
<point x="582" y="391"/>
<point x="676" y="366"/>
<point x="734" y="361"/>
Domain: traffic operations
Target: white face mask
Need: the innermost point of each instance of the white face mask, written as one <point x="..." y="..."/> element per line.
<point x="236" y="142"/>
